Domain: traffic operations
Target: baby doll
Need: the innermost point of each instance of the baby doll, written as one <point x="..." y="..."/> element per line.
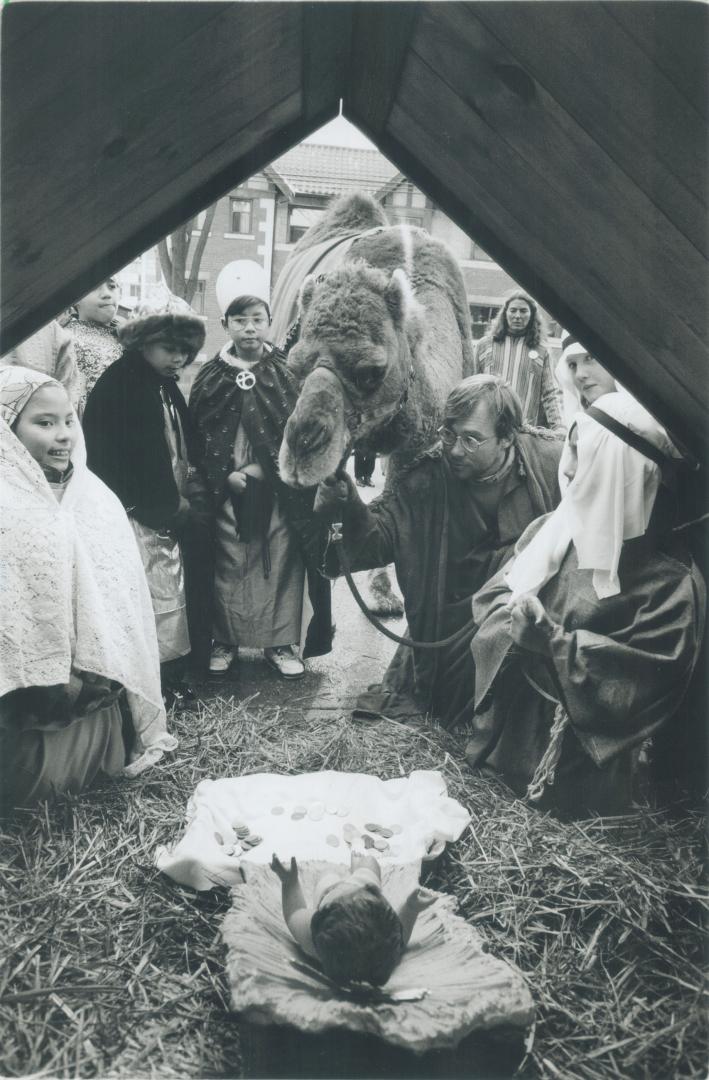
<point x="352" y="929"/>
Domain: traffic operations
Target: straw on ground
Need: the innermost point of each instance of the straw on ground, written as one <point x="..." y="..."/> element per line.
<point x="110" y="969"/>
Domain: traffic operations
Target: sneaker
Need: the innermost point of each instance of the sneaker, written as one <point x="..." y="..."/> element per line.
<point x="286" y="661"/>
<point x="221" y="659"/>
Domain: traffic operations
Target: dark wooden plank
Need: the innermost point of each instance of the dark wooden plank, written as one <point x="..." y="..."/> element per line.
<point x="676" y="394"/>
<point x="381" y="34"/>
<point x="84" y="196"/>
<point x="675" y="35"/>
<point x="586" y="62"/>
<point x="537" y="158"/>
<point x="327" y="33"/>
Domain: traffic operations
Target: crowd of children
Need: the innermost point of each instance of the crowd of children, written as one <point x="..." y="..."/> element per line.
<point x="139" y="561"/>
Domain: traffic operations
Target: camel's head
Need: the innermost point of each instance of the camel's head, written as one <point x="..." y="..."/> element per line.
<point x="359" y="328"/>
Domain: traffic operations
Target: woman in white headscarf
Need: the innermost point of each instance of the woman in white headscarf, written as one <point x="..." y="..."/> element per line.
<point x="589" y="636"/>
<point x="77" y="632"/>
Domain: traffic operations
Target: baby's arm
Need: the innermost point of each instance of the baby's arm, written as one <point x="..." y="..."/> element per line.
<point x="365" y="862"/>
<point x="295" y="911"/>
<point x="415" y="902"/>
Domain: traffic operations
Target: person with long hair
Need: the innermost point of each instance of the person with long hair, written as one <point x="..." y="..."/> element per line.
<point x="515" y="349"/>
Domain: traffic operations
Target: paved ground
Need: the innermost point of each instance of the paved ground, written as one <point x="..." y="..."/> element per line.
<point x="359" y="657"/>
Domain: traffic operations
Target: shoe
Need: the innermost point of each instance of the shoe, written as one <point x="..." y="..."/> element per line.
<point x="286" y="662"/>
<point x="221" y="659"/>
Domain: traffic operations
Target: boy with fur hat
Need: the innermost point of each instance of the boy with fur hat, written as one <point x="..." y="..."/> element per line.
<point x="351" y="930"/>
<point x="264" y="532"/>
<point x="139" y="441"/>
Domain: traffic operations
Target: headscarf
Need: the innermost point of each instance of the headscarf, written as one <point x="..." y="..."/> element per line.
<point x="74" y="589"/>
<point x="609" y="500"/>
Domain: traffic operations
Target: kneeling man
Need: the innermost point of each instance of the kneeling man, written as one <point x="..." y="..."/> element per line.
<point x="447" y="524"/>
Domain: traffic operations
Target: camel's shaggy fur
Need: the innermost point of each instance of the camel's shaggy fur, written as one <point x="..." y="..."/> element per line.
<point x="393" y="324"/>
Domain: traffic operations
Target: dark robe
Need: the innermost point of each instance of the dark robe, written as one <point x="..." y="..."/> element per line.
<point x="217" y="407"/>
<point x="444" y="548"/>
<point x="619" y="666"/>
<point x="124" y="427"/>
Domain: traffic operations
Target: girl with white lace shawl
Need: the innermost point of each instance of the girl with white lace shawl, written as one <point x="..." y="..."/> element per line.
<point x="587" y="639"/>
<point x="76" y="622"/>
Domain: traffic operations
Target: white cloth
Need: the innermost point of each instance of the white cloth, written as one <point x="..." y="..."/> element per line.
<point x="329" y="802"/>
<point x="73" y="589"/>
<point x="609" y="500"/>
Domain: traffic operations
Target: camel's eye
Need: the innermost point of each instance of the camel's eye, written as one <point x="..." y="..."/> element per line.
<point x="369" y="376"/>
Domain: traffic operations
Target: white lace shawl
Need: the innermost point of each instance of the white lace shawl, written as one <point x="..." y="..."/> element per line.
<point x="74" y="591"/>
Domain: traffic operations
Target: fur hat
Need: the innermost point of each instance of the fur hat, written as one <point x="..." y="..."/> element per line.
<point x="243" y="277"/>
<point x="172" y="322"/>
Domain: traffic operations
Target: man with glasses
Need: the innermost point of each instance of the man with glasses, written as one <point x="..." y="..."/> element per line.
<point x="448" y="523"/>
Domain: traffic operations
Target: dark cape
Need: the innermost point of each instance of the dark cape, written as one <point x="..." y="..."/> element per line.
<point x="619" y="666"/>
<point x="123" y="425"/>
<point x="217" y="407"/>
<point x="417" y="526"/>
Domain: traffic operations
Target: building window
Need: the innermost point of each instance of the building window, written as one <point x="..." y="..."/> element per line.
<point x="418" y="200"/>
<point x="197" y="304"/>
<point x="481" y="316"/>
<point x="134" y="289"/>
<point x="476" y="252"/>
<point x="241" y="210"/>
<point x="400" y="197"/>
<point x="300" y="220"/>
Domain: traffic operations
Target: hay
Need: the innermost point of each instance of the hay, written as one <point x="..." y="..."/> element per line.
<point x="109" y="969"/>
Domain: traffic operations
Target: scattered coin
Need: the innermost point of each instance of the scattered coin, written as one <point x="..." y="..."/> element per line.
<point x="229" y="850"/>
<point x="332" y="840"/>
<point x="251" y="841"/>
<point x="316" y="811"/>
<point x="386" y="833"/>
<point x="373" y="827"/>
<point x="278" y="810"/>
<point x="240" y="829"/>
<point x="381" y="844"/>
<point x="300" y="809"/>
<point x="396" y="829"/>
<point x="296" y="816"/>
<point x="330" y="808"/>
<point x="343" y="811"/>
<point x="219" y="838"/>
<point x="348" y="829"/>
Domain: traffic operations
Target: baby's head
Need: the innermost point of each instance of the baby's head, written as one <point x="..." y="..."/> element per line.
<point x="41" y="415"/>
<point x="357" y="935"/>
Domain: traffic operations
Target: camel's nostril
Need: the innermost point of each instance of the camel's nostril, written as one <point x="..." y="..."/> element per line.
<point x="311" y="437"/>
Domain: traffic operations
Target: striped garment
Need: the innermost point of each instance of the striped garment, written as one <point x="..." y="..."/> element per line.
<point x="529" y="373"/>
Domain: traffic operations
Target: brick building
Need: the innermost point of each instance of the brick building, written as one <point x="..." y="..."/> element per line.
<point x="264" y="218"/>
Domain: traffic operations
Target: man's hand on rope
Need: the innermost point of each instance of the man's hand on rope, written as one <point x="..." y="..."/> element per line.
<point x="530" y="626"/>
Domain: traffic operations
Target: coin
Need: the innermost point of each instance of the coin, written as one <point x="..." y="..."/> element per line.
<point x="330" y="808"/>
<point x="396" y="829"/>
<point x="386" y="833"/>
<point x="373" y="827"/>
<point x="229" y="850"/>
<point x="343" y="811"/>
<point x="219" y="838"/>
<point x="300" y="810"/>
<point x="381" y="845"/>
<point x="295" y="816"/>
<point x="332" y="840"/>
<point x="251" y="841"/>
<point x="240" y="829"/>
<point x="348" y="829"/>
<point x="316" y="811"/>
<point x="277" y="810"/>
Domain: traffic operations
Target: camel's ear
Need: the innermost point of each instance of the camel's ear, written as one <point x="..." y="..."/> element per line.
<point x="306" y="293"/>
<point x="403" y="305"/>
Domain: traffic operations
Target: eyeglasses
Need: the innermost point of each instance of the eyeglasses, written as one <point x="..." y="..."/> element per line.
<point x="470" y="444"/>
<point x="242" y="321"/>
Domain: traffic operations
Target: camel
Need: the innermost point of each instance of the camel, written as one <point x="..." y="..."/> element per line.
<point x="384" y="335"/>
